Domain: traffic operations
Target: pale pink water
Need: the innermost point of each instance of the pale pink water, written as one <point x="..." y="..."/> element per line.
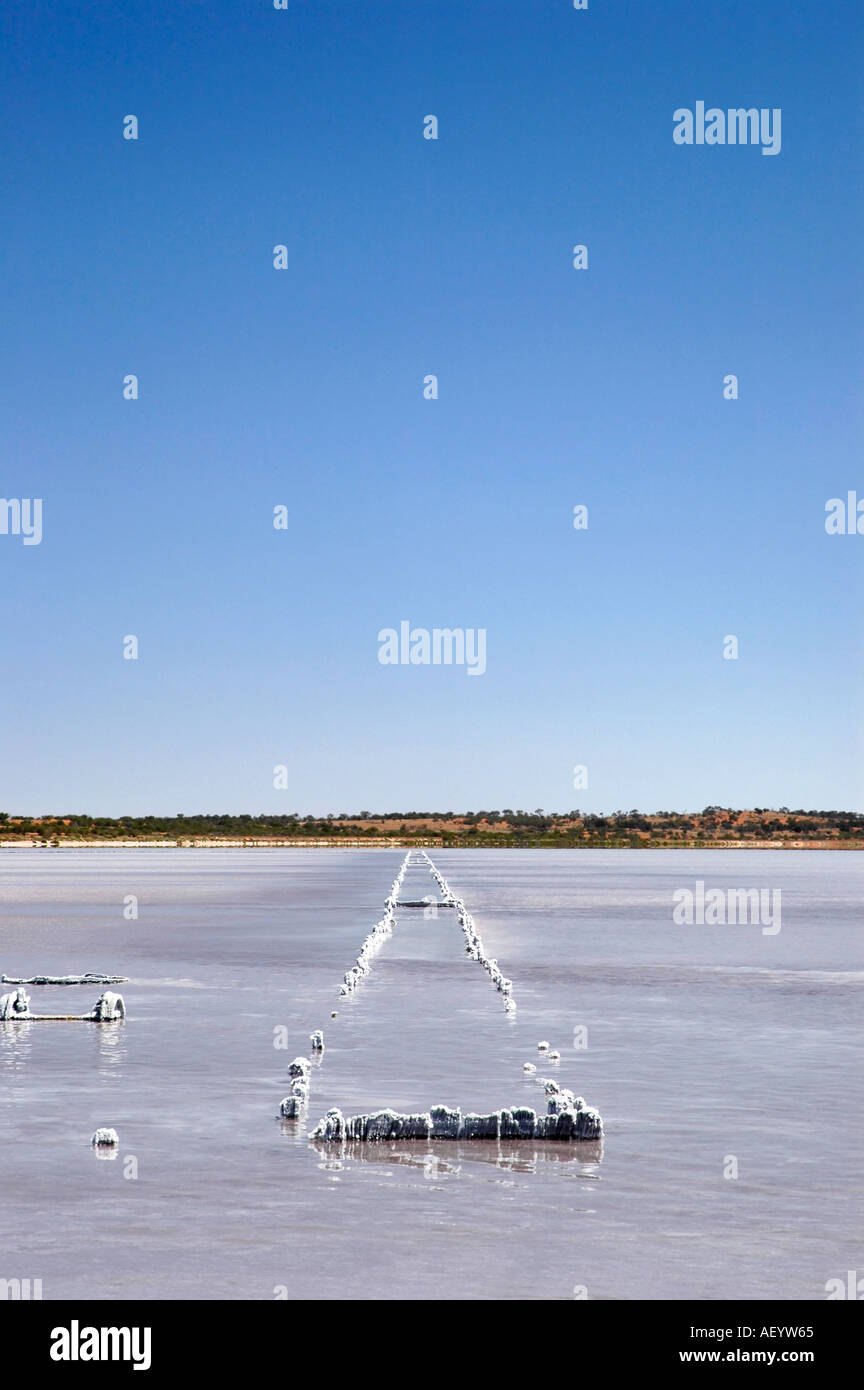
<point x="704" y="1043"/>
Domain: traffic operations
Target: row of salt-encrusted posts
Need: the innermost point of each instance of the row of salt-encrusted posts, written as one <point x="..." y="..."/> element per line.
<point x="300" y="1070"/>
<point x="564" y="1120"/>
<point x="377" y="936"/>
<point x="293" y="1106"/>
<point x="16" y="1005"/>
<point x="473" y="940"/>
<point x="567" y="1116"/>
<point x="108" y="1008"/>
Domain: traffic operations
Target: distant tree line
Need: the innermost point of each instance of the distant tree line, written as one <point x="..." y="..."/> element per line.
<point x="517" y="827"/>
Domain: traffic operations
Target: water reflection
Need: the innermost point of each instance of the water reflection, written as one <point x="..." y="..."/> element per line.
<point x="16" y="1043"/>
<point x="445" y="1157"/>
<point x="111" y="1045"/>
<point x="295" y="1127"/>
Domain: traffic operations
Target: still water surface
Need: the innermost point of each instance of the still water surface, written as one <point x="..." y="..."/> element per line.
<point x="705" y="1044"/>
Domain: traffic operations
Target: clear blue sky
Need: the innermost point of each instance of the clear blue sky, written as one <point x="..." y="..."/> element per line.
<point x="304" y="387"/>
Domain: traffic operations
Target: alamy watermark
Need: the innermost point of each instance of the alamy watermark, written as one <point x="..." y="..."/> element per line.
<point x="735" y="126"/>
<point x="849" y="1288"/>
<point x="21" y="1290"/>
<point x="77" y="1343"/>
<point x="728" y="907"/>
<point x="845" y="515"/>
<point x="443" y="646"/>
<point x="21" y="516"/>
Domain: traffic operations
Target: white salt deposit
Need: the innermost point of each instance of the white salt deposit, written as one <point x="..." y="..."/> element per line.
<point x="108" y="1007"/>
<point x="518" y="1122"/>
<point x="16" y="1004"/>
<point x="566" y="1119"/>
<point x="473" y="941"/>
<point x="105" y="1136"/>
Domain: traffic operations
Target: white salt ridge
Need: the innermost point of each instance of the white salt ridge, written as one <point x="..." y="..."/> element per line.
<point x="473" y="940"/>
<point x="293" y="1105"/>
<point x="563" y="1120"/>
<point x="90" y="978"/>
<point x="381" y="931"/>
<point x="560" y="1102"/>
<point x="108" y="1007"/>
<point x="567" y="1116"/>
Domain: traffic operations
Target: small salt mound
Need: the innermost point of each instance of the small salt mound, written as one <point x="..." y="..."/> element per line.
<point x="104" y="1137"/>
<point x="16" y="1004"/>
<point x="108" y="1007"/>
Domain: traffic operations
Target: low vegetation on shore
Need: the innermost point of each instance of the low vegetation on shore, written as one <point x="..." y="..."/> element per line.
<point x="715" y="826"/>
